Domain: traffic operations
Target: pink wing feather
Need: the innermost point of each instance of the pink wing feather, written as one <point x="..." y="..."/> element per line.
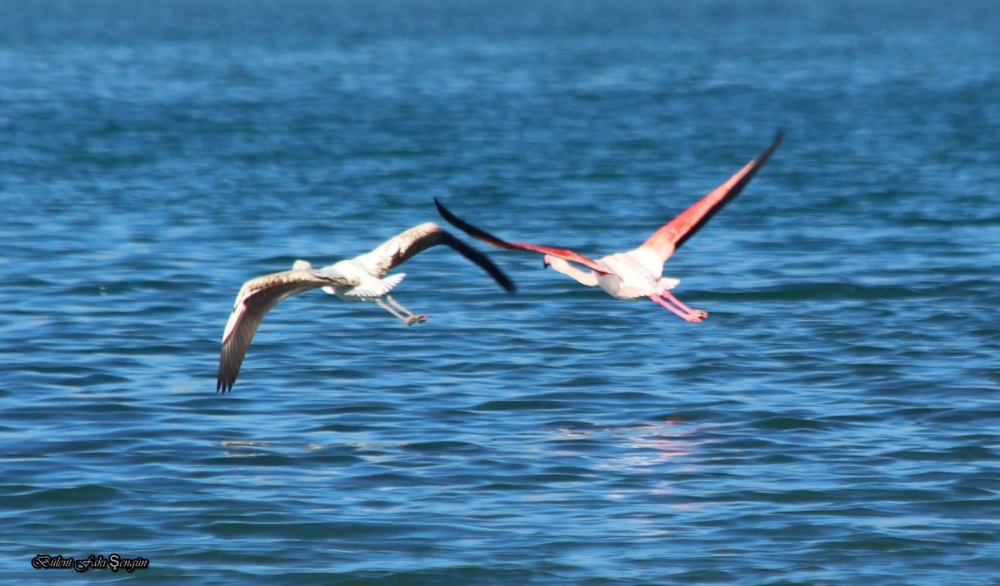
<point x="675" y="233"/>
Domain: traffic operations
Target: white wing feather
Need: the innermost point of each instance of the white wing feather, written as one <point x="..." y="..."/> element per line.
<point x="374" y="287"/>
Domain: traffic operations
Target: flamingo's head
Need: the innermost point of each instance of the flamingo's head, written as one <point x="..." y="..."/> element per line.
<point x="546" y="261"/>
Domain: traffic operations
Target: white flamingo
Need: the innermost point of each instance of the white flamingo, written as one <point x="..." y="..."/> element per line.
<point x="361" y="278"/>
<point x="637" y="273"/>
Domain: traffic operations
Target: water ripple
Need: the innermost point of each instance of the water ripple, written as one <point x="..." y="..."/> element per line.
<point x="833" y="420"/>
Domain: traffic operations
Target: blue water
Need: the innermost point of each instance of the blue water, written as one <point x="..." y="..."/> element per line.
<point x="835" y="419"/>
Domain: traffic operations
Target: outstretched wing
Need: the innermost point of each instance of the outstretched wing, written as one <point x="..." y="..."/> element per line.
<point x="675" y="233"/>
<point x="255" y="299"/>
<point x="477" y="233"/>
<point x="401" y="248"/>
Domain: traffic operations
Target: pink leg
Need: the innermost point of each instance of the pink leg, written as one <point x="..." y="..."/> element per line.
<point x="678" y="303"/>
<point x="691" y="315"/>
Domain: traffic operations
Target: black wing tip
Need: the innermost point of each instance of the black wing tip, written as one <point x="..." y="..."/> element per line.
<point x="764" y="156"/>
<point x="504" y="281"/>
<point x="480" y="259"/>
<point x="778" y="137"/>
<point x="510" y="287"/>
<point x="441" y="209"/>
<point x="466" y="227"/>
<point x="447" y="215"/>
<point x="225" y="380"/>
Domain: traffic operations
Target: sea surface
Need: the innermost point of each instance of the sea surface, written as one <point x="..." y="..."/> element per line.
<point x="835" y="420"/>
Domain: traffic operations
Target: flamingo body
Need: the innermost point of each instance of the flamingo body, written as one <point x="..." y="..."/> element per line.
<point x="368" y="287"/>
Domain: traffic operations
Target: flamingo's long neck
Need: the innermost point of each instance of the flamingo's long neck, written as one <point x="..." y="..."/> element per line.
<point x="588" y="277"/>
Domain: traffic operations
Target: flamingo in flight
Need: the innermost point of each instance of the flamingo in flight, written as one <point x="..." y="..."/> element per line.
<point x="637" y="273"/>
<point x="361" y="278"/>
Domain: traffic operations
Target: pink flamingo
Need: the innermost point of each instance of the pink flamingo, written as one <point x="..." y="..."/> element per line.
<point x="637" y="273"/>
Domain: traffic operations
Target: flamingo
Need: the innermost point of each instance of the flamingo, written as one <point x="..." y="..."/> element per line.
<point x="636" y="274"/>
<point x="361" y="278"/>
